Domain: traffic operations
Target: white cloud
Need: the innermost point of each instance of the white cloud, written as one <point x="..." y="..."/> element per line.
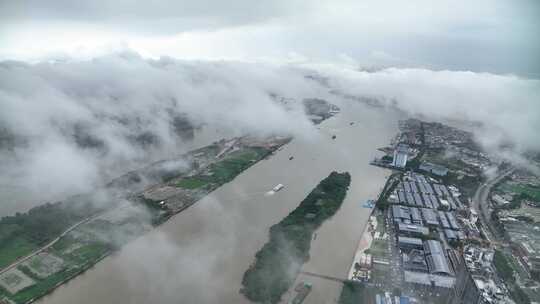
<point x="506" y="105"/>
<point x="92" y="120"/>
<point x="488" y="35"/>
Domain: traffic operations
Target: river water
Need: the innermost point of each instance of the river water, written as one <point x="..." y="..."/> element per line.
<point x="200" y="255"/>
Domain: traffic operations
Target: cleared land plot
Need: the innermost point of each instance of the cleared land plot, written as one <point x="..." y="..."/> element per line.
<point x="378" y="249"/>
<point x="528" y="211"/>
<point x="75" y="257"/>
<point x="67" y="244"/>
<point x="70" y="258"/>
<point x="44" y="264"/>
<point x="380" y="273"/>
<point x="15" y="280"/>
<point x="89" y="253"/>
<point x="43" y="286"/>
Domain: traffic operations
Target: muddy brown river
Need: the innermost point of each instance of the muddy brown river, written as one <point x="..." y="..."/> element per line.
<point x="200" y="255"/>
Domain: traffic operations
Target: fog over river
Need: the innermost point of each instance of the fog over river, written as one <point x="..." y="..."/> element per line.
<point x="200" y="255"/>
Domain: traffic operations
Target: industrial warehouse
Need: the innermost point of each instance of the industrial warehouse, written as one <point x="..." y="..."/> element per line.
<point x="428" y="219"/>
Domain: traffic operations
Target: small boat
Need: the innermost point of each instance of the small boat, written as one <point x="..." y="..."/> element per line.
<point x="291" y="158"/>
<point x="333" y="137"/>
<point x="278" y="187"/>
<point x="369" y="204"/>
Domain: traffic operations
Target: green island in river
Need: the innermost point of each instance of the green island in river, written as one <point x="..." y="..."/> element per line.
<point x="279" y="261"/>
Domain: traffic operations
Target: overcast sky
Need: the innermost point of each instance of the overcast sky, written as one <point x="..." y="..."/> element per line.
<point x="482" y="35"/>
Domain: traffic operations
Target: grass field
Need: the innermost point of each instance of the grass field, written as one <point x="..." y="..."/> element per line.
<point x="64" y="243"/>
<point x="224" y="170"/>
<point x="515" y="266"/>
<point x="378" y="249"/>
<point x="531" y="191"/>
<point x="352" y="293"/>
<point x="88" y="253"/>
<point x="381" y="228"/>
<point x="357" y="293"/>
<point x="453" y="163"/>
<point x="14" y="249"/>
<point x="191" y="183"/>
<point x="505" y="270"/>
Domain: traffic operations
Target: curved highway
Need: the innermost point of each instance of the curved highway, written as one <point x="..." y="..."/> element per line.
<point x="480" y="202"/>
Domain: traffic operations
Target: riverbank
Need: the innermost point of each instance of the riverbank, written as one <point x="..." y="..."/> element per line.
<point x="81" y="247"/>
<point x="215" y="240"/>
<point x="162" y="189"/>
<point x="359" y="270"/>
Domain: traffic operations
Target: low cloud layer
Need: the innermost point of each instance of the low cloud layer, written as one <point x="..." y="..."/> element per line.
<point x="506" y="106"/>
<point x="68" y="127"/>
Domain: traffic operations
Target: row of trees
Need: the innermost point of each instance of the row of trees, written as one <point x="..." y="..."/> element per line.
<point x="43" y="223"/>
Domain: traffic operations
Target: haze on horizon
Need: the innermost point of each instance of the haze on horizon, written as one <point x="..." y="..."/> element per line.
<point x="492" y="36"/>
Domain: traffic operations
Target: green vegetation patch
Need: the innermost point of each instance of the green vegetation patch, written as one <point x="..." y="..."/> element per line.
<point x="191" y="183"/>
<point x="503" y="267"/>
<point x="224" y="170"/>
<point x="66" y="243"/>
<point x="227" y="169"/>
<point x="352" y="294"/>
<point x="391" y="183"/>
<point x="278" y="262"/>
<point x="22" y="233"/>
<point x="357" y="293"/>
<point x="506" y="266"/>
<point x="381" y="228"/>
<point x="379" y="249"/>
<point x="518" y="295"/>
<point x="524" y="191"/>
<point x="13" y="249"/>
<point x="89" y="253"/>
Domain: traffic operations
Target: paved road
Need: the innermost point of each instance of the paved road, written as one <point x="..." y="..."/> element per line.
<point x="326" y="277"/>
<point x="48" y="245"/>
<point x="396" y="271"/>
<point x="480" y="202"/>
